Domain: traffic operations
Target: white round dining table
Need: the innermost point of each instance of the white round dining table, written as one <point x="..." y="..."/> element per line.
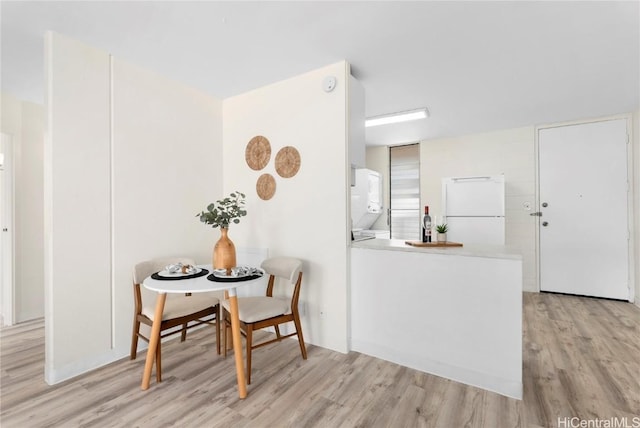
<point x="196" y="285"/>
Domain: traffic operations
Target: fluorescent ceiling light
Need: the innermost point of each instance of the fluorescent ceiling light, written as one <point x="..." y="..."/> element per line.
<point x="403" y="116"/>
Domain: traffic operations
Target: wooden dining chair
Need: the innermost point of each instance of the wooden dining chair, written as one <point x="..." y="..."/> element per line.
<point x="184" y="311"/>
<point x="259" y="312"/>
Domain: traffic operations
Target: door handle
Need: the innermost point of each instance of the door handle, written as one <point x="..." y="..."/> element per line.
<point x="472" y="178"/>
<point x="545" y="223"/>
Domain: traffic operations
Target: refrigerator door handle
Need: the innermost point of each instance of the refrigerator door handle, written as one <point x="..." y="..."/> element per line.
<point x="484" y="178"/>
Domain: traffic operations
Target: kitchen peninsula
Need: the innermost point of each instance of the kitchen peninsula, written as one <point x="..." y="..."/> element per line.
<point x="454" y="312"/>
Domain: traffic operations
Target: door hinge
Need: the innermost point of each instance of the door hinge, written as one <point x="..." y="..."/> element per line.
<point x="536" y="214"/>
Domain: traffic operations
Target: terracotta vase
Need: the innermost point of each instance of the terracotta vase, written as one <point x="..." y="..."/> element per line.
<point x="224" y="252"/>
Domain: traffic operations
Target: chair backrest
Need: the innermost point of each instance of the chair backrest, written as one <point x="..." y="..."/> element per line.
<point x="283" y="267"/>
<point x="146" y="268"/>
<point x="287" y="268"/>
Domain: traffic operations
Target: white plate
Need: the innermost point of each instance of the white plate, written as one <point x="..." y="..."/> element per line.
<point x="221" y="273"/>
<point x="167" y="274"/>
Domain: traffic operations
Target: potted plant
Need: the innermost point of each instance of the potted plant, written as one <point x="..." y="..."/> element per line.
<point x="442" y="232"/>
<point x="222" y="213"/>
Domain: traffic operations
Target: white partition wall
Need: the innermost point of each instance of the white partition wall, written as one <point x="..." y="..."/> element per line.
<point x="307" y="216"/>
<point x="454" y="314"/>
<point x="77" y="208"/>
<point x="130" y="158"/>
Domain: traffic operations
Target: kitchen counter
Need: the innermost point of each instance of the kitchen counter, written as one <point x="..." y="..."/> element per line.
<point x="455" y="312"/>
<point x="472" y="250"/>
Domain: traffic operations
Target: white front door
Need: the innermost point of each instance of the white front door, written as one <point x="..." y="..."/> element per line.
<point x="584" y="229"/>
<point x="6" y="230"/>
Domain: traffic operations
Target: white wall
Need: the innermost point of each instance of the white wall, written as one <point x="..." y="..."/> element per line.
<point x="24" y="121"/>
<point x="307" y="217"/>
<point x="510" y="152"/>
<point x="456" y="316"/>
<point x="130" y="158"/>
<point x="356" y="118"/>
<point x="77" y="208"/>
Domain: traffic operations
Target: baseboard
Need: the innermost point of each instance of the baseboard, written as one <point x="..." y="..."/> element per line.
<point x="56" y="375"/>
<point x="490" y="382"/>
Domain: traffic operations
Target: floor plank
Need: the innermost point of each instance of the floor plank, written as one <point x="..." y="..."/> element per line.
<point x="580" y="358"/>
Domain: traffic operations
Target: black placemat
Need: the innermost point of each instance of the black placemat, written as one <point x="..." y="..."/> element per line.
<point x="203" y="272"/>
<point x="212" y="277"/>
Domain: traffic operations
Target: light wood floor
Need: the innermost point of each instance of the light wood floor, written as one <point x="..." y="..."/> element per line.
<point x="581" y="359"/>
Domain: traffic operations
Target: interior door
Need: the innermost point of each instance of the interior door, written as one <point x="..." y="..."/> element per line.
<point x="6" y="230"/>
<point x="584" y="229"/>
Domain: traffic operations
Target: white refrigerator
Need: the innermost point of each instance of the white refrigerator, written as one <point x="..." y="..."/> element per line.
<point x="473" y="207"/>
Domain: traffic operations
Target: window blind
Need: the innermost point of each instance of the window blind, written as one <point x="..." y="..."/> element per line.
<point x="404" y="163"/>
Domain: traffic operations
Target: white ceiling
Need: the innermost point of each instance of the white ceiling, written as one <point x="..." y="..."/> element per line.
<point x="477" y="66"/>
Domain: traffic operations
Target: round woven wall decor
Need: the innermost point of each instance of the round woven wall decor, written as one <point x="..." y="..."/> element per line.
<point x="287" y="162"/>
<point x="258" y="152"/>
<point x="266" y="186"/>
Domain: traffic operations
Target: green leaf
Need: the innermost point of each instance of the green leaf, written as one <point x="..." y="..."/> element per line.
<point x="442" y="228"/>
<point x="224" y="211"/>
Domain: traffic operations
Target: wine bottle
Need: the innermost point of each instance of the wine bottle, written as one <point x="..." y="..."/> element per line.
<point x="426" y="225"/>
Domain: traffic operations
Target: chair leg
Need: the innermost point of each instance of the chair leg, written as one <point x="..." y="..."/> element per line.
<point x="249" y="345"/>
<point x="218" y="329"/>
<point x="227" y="342"/>
<point x="224" y="337"/>
<point x="134" y="338"/>
<point x="183" y="336"/>
<point x="303" y="349"/>
<point x="159" y="362"/>
<point x="277" y="327"/>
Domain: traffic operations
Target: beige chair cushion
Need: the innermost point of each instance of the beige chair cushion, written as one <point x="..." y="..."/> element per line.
<point x="178" y="305"/>
<point x="252" y="309"/>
